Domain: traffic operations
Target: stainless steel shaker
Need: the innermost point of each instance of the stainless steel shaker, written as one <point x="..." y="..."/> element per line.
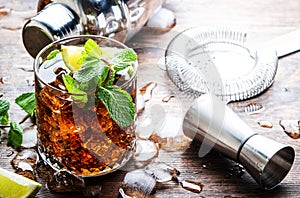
<point x="213" y="123"/>
<point x="118" y="19"/>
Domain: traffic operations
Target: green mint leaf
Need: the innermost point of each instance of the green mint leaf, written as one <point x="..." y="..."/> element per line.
<point x="15" y="135"/>
<point x="53" y="54"/>
<point x="124" y="59"/>
<point x="111" y="78"/>
<point x="78" y="95"/>
<point x="4" y="107"/>
<point x="86" y="59"/>
<point x="88" y="71"/>
<point x="89" y="87"/>
<point x="130" y="71"/>
<point x="4" y="119"/>
<point x="91" y="65"/>
<point x="92" y="53"/>
<point x="92" y="49"/>
<point x="103" y="74"/>
<point x="69" y="82"/>
<point x="27" y="102"/>
<point x="118" y="103"/>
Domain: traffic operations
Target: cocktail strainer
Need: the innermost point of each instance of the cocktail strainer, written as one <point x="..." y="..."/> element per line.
<point x="215" y="59"/>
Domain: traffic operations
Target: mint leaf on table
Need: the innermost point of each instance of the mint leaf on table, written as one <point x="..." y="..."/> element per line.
<point x="27" y="102"/>
<point x="118" y="103"/>
<point x="4" y="107"/>
<point x="124" y="59"/>
<point x="15" y="135"/>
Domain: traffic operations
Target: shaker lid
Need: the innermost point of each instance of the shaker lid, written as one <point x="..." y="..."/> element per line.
<point x="34" y="38"/>
<point x="55" y="21"/>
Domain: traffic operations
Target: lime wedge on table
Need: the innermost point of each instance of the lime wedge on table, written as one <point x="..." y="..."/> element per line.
<point x="71" y="56"/>
<point x="13" y="185"/>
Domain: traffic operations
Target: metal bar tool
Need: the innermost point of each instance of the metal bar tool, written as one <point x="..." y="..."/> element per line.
<point x="210" y="121"/>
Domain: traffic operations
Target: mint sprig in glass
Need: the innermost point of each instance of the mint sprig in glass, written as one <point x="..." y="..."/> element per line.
<point x="100" y="70"/>
<point x="85" y="104"/>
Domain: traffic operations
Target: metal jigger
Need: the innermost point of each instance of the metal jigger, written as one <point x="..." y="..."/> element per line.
<point x="211" y="122"/>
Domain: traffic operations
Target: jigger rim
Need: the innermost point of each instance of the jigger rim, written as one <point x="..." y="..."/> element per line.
<point x="277" y="168"/>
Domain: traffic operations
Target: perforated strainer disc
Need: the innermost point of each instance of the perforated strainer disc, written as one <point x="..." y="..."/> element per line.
<point x="216" y="59"/>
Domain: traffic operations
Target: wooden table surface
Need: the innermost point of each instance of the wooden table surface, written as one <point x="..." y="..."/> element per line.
<point x="264" y="20"/>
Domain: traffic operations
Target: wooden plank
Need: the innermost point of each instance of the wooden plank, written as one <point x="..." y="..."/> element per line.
<point x="263" y="19"/>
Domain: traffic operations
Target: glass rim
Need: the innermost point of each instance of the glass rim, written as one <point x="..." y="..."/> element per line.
<point x="36" y="62"/>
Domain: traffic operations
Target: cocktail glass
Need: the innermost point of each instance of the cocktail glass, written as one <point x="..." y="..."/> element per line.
<point x="82" y="139"/>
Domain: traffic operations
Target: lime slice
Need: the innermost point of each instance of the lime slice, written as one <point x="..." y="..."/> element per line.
<point x="13" y="185"/>
<point x="71" y="56"/>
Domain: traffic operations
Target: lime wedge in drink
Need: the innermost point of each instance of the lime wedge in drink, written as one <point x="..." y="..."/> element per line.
<point x="13" y="185"/>
<point x="71" y="56"/>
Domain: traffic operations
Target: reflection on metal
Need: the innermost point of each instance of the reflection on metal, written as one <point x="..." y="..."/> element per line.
<point x="267" y="161"/>
<point x="61" y="18"/>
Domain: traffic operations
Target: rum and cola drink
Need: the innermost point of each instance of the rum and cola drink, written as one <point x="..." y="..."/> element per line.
<point x="86" y="141"/>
